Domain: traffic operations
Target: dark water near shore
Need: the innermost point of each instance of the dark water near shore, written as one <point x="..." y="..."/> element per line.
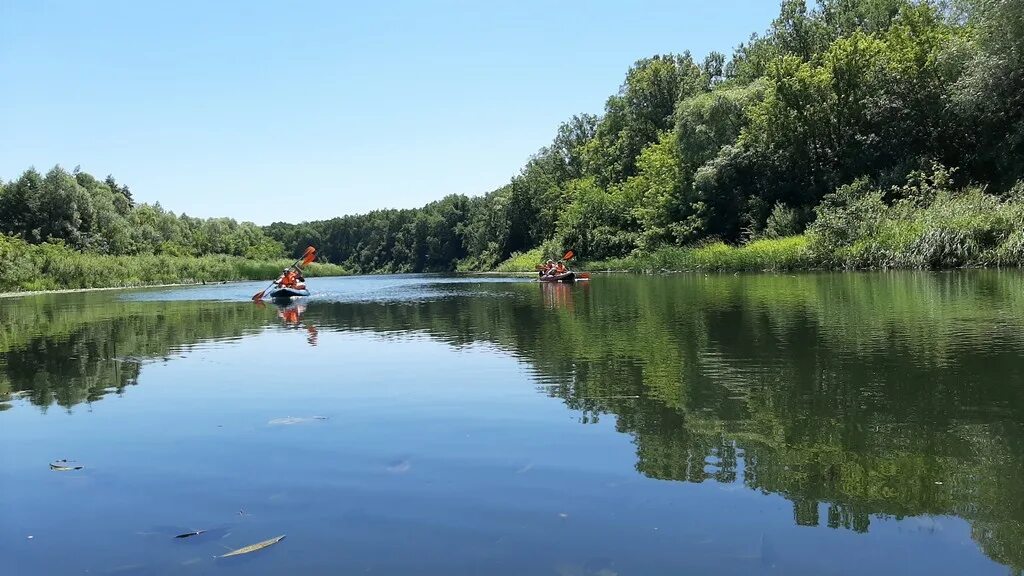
<point x="811" y="424"/>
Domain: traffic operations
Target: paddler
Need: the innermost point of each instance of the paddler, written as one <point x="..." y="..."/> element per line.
<point x="287" y="279"/>
<point x="547" y="268"/>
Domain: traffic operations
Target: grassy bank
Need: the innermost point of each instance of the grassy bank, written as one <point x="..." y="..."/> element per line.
<point x="790" y="253"/>
<point x="762" y="255"/>
<point x="927" y="227"/>
<point x="53" y="267"/>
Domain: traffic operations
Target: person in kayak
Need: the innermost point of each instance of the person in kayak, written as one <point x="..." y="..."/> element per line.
<point x="289" y="278"/>
<point x="559" y="269"/>
<point x="547" y="268"/>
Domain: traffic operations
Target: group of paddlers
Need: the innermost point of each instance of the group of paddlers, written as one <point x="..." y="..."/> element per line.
<point x="551" y="268"/>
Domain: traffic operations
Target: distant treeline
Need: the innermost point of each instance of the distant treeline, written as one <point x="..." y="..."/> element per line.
<point x="840" y="112"/>
<point x="100" y="217"/>
<point x="69" y="230"/>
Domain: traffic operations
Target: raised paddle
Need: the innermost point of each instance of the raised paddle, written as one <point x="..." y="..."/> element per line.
<point x="579" y="275"/>
<point x="306" y="258"/>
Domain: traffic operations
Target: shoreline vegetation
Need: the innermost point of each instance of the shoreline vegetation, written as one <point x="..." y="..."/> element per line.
<point x="51" y="267"/>
<point x="850" y="135"/>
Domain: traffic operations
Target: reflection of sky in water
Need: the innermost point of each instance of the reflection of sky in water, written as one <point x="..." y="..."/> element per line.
<point x="403" y="288"/>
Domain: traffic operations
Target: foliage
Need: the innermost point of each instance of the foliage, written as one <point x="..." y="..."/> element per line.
<point x="930" y="225"/>
<point x="766" y="255"/>
<point x="48" y="266"/>
<point x="100" y="217"/>
<point x="523" y="261"/>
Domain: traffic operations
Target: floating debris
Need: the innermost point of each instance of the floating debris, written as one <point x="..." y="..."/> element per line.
<point x="64" y="465"/>
<point x="253" y="547"/>
<point x="190" y="534"/>
<point x="295" y="420"/>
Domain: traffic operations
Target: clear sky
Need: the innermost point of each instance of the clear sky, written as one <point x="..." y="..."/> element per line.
<point x="294" y="111"/>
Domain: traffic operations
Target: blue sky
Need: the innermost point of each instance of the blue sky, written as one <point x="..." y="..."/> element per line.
<point x="294" y="111"/>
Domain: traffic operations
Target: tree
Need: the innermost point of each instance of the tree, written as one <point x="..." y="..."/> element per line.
<point x="633" y="118"/>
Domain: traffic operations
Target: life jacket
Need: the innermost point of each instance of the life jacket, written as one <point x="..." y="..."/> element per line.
<point x="561" y="269"/>
<point x="288" y="279"/>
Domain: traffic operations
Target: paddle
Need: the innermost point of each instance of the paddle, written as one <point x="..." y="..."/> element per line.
<point x="306" y="258"/>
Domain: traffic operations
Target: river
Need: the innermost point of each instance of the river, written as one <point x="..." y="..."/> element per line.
<point x="868" y="423"/>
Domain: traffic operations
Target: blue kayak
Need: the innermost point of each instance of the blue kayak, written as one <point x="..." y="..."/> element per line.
<point x="284" y="293"/>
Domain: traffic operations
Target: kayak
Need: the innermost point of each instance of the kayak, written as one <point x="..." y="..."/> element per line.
<point x="285" y="292"/>
<point x="567" y="277"/>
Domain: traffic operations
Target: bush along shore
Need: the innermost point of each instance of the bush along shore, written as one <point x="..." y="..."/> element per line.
<point x="926" y="224"/>
<point x="32" y="267"/>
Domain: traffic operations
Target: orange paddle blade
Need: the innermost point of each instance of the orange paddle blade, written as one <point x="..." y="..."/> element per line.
<point x="309" y="258"/>
<point x="258" y="296"/>
<point x="568" y="255"/>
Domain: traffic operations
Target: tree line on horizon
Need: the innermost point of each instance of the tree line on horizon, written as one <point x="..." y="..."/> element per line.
<point x="846" y="115"/>
<point x="100" y="216"/>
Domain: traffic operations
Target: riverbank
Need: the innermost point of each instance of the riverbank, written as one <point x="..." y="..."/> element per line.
<point x="782" y="254"/>
<point x="46" y="267"/>
<point x="935" y="231"/>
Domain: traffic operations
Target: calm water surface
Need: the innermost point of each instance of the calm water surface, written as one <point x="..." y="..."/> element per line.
<point x="812" y="424"/>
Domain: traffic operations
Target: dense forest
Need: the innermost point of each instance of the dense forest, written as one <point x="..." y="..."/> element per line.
<point x="851" y="134"/>
<point x="891" y="132"/>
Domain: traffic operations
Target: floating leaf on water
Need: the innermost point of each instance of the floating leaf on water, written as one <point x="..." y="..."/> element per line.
<point x="253" y="547"/>
<point x="190" y="534"/>
<point x="64" y="465"/>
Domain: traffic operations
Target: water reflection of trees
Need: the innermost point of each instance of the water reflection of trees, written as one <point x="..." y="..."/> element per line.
<point x="70" y="349"/>
<point x="853" y="396"/>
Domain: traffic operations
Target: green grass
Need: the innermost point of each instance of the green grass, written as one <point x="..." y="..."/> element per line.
<point x="522" y="262"/>
<point x="53" y="267"/>
<point x="771" y="255"/>
<point x="966" y="228"/>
